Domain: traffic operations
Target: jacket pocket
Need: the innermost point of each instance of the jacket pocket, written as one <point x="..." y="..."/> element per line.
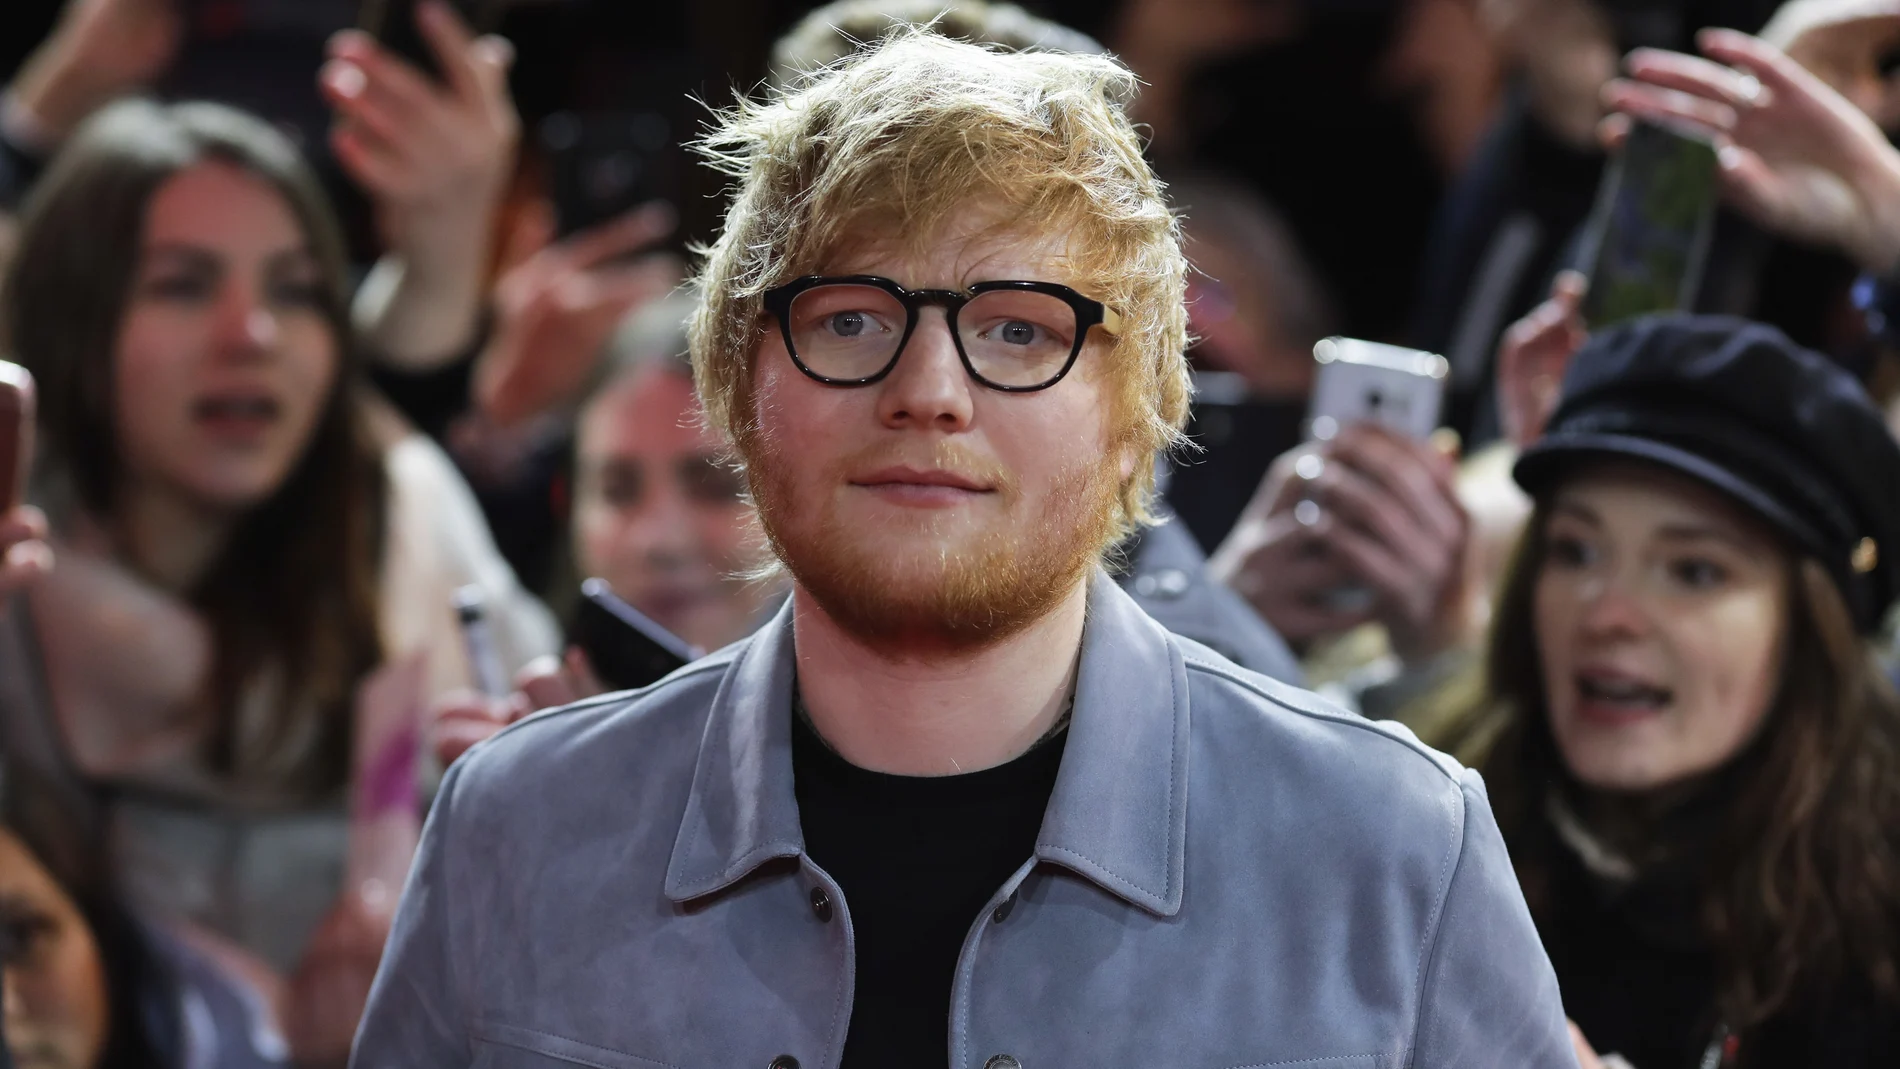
<point x="506" y="1046"/>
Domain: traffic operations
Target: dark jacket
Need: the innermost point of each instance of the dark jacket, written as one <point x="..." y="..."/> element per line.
<point x="1639" y="978"/>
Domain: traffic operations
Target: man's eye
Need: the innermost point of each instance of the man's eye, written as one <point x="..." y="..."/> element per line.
<point x="1016" y="332"/>
<point x="850" y="324"/>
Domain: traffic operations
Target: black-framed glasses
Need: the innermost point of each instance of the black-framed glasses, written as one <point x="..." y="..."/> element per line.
<point x="1012" y="335"/>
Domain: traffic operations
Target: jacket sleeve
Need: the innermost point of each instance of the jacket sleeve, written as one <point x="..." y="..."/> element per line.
<point x="417" y="1013"/>
<point x="1489" y="997"/>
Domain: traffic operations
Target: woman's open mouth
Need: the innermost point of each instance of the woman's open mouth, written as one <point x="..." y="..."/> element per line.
<point x="1616" y="697"/>
<point x="237" y="417"/>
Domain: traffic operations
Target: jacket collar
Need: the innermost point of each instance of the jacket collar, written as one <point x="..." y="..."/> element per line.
<point x="1118" y="815"/>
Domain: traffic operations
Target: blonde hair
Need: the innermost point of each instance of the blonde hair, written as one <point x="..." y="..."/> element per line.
<point x="903" y="137"/>
<point x="838" y="29"/>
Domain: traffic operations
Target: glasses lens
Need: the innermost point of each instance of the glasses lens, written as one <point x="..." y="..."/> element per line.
<point x="844" y="331"/>
<point x="1017" y="337"/>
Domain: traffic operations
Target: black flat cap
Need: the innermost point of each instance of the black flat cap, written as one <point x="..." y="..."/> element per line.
<point x="1736" y="405"/>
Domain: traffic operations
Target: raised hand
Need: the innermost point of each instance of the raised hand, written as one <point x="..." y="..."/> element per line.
<point x="325" y="995"/>
<point x="1276" y="557"/>
<point x="435" y="158"/>
<point x="555" y="311"/>
<point x="464" y="718"/>
<point x="99" y="50"/>
<point x="1369" y="509"/>
<point x="1533" y="356"/>
<point x="1796" y="156"/>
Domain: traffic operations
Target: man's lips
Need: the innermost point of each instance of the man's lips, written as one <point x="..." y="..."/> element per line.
<point x="902" y="477"/>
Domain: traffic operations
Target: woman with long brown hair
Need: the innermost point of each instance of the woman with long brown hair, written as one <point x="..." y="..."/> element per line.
<point x="252" y="601"/>
<point x="1697" y="757"/>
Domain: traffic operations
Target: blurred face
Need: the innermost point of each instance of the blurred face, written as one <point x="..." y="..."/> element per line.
<point x="1236" y="322"/>
<point x="56" y="1005"/>
<point x="225" y="359"/>
<point x="926" y="508"/>
<point x="1661" y="613"/>
<point x="1858" y="58"/>
<point x="657" y="516"/>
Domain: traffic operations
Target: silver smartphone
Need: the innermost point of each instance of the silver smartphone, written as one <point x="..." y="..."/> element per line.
<point x="1402" y="390"/>
<point x="1360" y="381"/>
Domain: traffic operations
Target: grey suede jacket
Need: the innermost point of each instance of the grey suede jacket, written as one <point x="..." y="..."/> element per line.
<point x="1230" y="874"/>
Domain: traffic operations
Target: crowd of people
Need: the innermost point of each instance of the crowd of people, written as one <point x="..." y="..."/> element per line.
<point x="311" y="377"/>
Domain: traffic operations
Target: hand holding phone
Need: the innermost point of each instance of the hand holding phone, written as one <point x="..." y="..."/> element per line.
<point x="1364" y="527"/>
<point x="433" y="151"/>
<point x="1533" y="357"/>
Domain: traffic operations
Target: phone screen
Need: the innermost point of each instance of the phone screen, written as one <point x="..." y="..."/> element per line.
<point x="1649" y="237"/>
<point x="628" y="650"/>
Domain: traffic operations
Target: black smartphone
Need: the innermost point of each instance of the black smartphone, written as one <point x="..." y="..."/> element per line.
<point x="1648" y="240"/>
<point x="604" y="165"/>
<point x="393" y="24"/>
<point x="628" y="650"/>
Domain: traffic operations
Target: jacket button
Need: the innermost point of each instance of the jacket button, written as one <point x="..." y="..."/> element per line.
<point x="784" y="1061"/>
<point x="1167" y="583"/>
<point x="820" y="905"/>
<point x="998" y="916"/>
<point x="1002" y="1061"/>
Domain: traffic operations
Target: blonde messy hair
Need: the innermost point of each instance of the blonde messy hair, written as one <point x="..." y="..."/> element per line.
<point x="842" y="27"/>
<point x="901" y="139"/>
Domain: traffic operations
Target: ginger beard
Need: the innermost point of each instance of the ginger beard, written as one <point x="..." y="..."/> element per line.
<point x="932" y="579"/>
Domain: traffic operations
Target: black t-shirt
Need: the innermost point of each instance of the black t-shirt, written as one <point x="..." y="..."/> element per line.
<point x="917" y="859"/>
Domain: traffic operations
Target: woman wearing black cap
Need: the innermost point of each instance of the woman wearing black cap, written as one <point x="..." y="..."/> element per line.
<point x="1698" y="769"/>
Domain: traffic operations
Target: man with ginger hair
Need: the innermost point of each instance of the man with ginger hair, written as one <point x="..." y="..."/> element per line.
<point x="961" y="802"/>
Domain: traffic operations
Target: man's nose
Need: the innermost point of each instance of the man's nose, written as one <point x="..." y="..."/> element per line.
<point x="928" y="387"/>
